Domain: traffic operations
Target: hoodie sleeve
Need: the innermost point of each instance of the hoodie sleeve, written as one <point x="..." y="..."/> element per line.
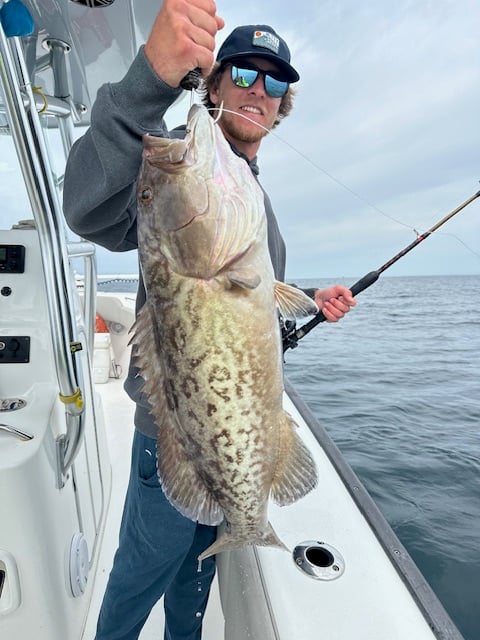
<point x="99" y="198"/>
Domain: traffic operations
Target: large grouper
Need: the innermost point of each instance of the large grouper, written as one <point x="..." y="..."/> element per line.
<point x="207" y="341"/>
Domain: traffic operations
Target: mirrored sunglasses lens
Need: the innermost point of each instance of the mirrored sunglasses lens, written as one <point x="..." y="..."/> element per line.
<point x="275" y="88"/>
<point x="243" y="77"/>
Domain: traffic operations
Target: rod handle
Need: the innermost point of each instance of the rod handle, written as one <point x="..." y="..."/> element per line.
<point x="364" y="282"/>
<point x="192" y="80"/>
<point x="291" y="338"/>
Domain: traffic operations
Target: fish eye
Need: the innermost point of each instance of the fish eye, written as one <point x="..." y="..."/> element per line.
<point x="146" y="195"/>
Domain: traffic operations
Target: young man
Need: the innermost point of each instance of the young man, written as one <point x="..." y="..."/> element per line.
<point x="158" y="547"/>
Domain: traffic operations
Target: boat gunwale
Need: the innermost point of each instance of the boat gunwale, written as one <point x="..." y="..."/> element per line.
<point x="428" y="603"/>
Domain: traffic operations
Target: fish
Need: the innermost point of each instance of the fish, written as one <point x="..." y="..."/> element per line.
<point x="207" y="340"/>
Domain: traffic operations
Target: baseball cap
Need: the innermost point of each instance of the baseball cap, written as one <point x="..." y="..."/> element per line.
<point x="261" y="41"/>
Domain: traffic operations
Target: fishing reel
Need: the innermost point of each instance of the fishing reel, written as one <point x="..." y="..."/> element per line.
<point x="289" y="333"/>
<point x="94" y="3"/>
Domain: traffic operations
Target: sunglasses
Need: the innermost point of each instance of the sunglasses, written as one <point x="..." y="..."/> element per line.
<point x="246" y="75"/>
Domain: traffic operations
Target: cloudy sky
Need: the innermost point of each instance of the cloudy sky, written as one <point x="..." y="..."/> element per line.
<point x="384" y="138"/>
<point x="388" y="105"/>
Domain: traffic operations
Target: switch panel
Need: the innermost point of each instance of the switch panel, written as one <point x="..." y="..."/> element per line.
<point x="14" y="349"/>
<point x="12" y="258"/>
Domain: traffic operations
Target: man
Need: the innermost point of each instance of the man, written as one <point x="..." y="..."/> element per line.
<point x="158" y="547"/>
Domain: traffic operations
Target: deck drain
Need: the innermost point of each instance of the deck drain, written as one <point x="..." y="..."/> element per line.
<point x="318" y="560"/>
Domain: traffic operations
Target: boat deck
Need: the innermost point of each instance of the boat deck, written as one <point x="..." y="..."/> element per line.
<point x="264" y="595"/>
<point x="373" y="591"/>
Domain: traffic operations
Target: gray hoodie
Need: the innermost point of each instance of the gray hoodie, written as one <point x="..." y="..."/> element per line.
<point x="99" y="198"/>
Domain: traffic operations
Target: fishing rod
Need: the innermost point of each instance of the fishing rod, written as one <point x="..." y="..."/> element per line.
<point x="291" y="335"/>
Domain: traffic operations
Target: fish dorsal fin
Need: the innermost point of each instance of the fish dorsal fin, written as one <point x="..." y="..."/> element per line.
<point x="144" y="344"/>
<point x="292" y="302"/>
<point x="295" y="472"/>
<point x="180" y="481"/>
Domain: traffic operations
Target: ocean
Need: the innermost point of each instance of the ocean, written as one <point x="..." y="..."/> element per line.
<point x="396" y="384"/>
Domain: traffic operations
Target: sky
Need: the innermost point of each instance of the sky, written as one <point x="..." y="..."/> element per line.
<point x="383" y="140"/>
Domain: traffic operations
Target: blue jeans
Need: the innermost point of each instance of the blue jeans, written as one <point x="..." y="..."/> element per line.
<point x="157" y="555"/>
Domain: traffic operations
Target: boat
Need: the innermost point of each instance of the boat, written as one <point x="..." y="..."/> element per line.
<point x="66" y="423"/>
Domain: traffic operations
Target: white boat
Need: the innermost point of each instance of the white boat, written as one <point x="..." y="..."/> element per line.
<point x="66" y="423"/>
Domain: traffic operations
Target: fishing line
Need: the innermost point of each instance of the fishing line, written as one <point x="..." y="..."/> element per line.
<point x="311" y="162"/>
<point x="291" y="336"/>
<point x="447" y="233"/>
<point x="222" y="109"/>
<point x="220" y="112"/>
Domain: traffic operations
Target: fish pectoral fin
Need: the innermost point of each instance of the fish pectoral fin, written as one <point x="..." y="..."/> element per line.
<point x="295" y="473"/>
<point x="180" y="481"/>
<point x="292" y="302"/>
<point x="244" y="278"/>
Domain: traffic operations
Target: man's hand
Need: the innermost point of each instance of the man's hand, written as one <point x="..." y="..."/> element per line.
<point x="334" y="302"/>
<point x="183" y="38"/>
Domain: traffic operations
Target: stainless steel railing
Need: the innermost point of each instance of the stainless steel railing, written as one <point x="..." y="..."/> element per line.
<point x="25" y="128"/>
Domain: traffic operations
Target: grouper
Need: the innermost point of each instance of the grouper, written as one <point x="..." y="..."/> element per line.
<point x="207" y="340"/>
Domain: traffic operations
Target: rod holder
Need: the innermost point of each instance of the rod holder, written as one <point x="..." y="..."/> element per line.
<point x="318" y="560"/>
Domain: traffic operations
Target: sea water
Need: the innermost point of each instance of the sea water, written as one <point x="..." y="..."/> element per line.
<point x="397" y="386"/>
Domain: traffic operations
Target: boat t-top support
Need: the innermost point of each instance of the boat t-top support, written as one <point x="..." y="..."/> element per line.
<point x="21" y="107"/>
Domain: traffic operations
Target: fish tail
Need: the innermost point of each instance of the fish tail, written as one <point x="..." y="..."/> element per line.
<point x="230" y="540"/>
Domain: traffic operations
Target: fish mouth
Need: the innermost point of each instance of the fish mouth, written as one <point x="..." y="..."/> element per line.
<point x="174" y="154"/>
<point x="172" y="158"/>
<point x="169" y="153"/>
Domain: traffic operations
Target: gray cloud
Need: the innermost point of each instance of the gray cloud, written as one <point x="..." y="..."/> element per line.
<point x="388" y="105"/>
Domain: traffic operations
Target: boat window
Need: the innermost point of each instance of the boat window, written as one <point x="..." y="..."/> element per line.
<point x="13" y="194"/>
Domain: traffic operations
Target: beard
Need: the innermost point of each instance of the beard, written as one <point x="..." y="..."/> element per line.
<point x="236" y="127"/>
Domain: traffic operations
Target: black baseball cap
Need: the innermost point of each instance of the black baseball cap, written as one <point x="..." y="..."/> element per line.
<point x="261" y="41"/>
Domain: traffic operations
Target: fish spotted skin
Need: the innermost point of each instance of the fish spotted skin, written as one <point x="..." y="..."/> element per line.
<point x="207" y="340"/>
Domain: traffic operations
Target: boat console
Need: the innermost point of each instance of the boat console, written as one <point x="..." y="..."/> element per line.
<point x="51" y="516"/>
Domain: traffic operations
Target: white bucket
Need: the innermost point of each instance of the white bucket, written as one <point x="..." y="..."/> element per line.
<point x="101" y="358"/>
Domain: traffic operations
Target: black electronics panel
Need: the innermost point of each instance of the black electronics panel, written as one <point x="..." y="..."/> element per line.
<point x="14" y="349"/>
<point x="12" y="258"/>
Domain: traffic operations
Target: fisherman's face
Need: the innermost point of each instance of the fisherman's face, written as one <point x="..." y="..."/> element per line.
<point x="251" y="107"/>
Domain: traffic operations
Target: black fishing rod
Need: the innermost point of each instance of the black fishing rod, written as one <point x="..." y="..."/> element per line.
<point x="291" y="335"/>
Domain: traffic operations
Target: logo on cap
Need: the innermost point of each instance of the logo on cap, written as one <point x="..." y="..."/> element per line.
<point x="267" y="40"/>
